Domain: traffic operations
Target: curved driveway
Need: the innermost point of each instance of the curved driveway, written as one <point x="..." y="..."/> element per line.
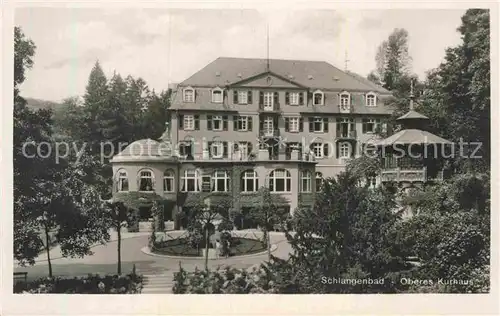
<point x="104" y="259"/>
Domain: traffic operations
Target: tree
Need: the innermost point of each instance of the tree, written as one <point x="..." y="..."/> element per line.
<point x="267" y="215"/>
<point x="24" y="51"/>
<point x="351" y="233"/>
<point x="117" y="215"/>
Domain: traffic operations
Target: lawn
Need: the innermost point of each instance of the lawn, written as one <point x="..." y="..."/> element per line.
<point x="181" y="247"/>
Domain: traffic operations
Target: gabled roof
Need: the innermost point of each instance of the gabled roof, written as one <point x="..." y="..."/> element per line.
<point x="412" y="115"/>
<point x="312" y="74"/>
<point x="413" y="136"/>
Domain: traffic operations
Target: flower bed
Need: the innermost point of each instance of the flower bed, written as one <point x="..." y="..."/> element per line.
<point x="182" y="247"/>
<point x="91" y="284"/>
<point x="225" y="281"/>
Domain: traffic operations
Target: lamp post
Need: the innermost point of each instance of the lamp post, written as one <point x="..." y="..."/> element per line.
<point x="206" y="219"/>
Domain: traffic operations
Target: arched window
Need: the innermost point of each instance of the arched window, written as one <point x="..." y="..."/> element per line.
<point x="306" y="181"/>
<point x="319" y="180"/>
<point x="318" y="98"/>
<point x="188" y="94"/>
<point x="280" y="180"/>
<point x="122" y="181"/>
<point x="249" y="181"/>
<point x="345" y="101"/>
<point x="371" y="99"/>
<point x="190" y="181"/>
<point x="217" y="95"/>
<point x="168" y="181"/>
<point x="220" y="181"/>
<point x="146" y="179"/>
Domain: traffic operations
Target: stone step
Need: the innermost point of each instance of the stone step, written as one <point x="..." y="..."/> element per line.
<point x="157" y="291"/>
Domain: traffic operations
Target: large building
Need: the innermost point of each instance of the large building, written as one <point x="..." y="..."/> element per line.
<point x="239" y="124"/>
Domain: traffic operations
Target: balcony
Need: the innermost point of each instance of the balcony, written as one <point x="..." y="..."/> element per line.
<point x="275" y="108"/>
<point x="346" y="134"/>
<point x="270" y="133"/>
<point x="409" y="175"/>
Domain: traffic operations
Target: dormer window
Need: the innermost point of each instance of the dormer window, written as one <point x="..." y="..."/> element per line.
<point x="371" y="99"/>
<point x="188" y="94"/>
<point x="318" y="98"/>
<point x="217" y="95"/>
<point x="345" y="101"/>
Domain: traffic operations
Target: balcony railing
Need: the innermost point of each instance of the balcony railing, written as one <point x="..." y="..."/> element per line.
<point x="409" y="175"/>
<point x="270" y="133"/>
<point x="346" y="134"/>
<point x="270" y="109"/>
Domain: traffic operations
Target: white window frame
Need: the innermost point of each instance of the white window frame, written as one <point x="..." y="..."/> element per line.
<point x="345" y="101"/>
<point x="242" y="97"/>
<point x="243" y="149"/>
<point x="318" y="148"/>
<point x="185" y="95"/>
<point x="375" y="122"/>
<point x="250" y="176"/>
<point x="188" y="122"/>
<point x="189" y="175"/>
<point x="294" y="124"/>
<point x="268" y="99"/>
<point x="321" y="121"/>
<point x="344" y="150"/>
<point x="121" y="179"/>
<point x="242" y="121"/>
<point x="142" y="175"/>
<point x="218" y="118"/>
<point x="168" y="175"/>
<point x="220" y="175"/>
<point x="217" y="147"/>
<point x="294" y="98"/>
<point x="372" y="96"/>
<point x="268" y="122"/>
<point x="322" y="97"/>
<point x="215" y="92"/>
<point x="306" y="181"/>
<point x="283" y="175"/>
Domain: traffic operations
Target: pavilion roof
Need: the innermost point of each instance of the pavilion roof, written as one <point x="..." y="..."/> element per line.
<point x="412" y="136"/>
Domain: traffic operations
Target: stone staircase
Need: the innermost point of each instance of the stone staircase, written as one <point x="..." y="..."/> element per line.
<point x="157" y="280"/>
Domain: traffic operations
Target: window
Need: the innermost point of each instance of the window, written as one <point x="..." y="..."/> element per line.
<point x="319" y="180"/>
<point x="280" y="181"/>
<point x="242" y="123"/>
<point x="146" y="180"/>
<point x="217" y="150"/>
<point x="268" y="99"/>
<point x="306" y="181"/>
<point x="345" y="100"/>
<point x="243" y="97"/>
<point x="217" y="123"/>
<point x="345" y="150"/>
<point x="370" y="125"/>
<point x="122" y="181"/>
<point x="293" y="124"/>
<point x="249" y="181"/>
<point x="319" y="150"/>
<point x="186" y="148"/>
<point x="217" y="95"/>
<point x="168" y="181"/>
<point x="189" y="95"/>
<point x="318" y="124"/>
<point x="191" y="181"/>
<point x="371" y="99"/>
<point x="293" y="98"/>
<point x="220" y="181"/>
<point x="244" y="148"/>
<point x="189" y="122"/>
<point x="318" y="98"/>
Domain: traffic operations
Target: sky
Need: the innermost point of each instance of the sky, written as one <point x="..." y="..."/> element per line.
<point x="165" y="46"/>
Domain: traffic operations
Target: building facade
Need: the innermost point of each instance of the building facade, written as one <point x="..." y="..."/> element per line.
<point x="239" y="124"/>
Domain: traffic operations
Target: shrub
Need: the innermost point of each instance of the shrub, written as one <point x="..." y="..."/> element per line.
<point x="91" y="284"/>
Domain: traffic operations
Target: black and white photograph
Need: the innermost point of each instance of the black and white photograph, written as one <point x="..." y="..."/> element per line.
<point x="251" y="150"/>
